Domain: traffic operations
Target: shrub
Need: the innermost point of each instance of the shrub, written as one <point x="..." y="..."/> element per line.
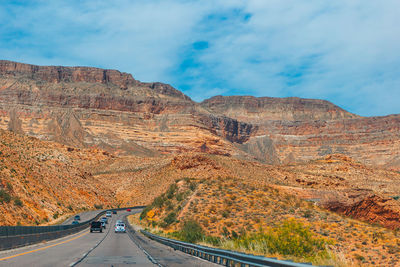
<point x="18" y="202"/>
<point x="55" y="215"/>
<point x="170" y="218"/>
<point x="96" y="206"/>
<point x="9" y="186"/>
<point x="144" y="212"/>
<point x="193" y="186"/>
<point x="191" y="232"/>
<point x="170" y="205"/>
<point x="291" y="238"/>
<point x="180" y="196"/>
<point x="158" y="202"/>
<point x="4" y="196"/>
<point x="213" y="240"/>
<point x="171" y="191"/>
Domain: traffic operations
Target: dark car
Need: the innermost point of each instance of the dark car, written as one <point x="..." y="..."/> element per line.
<point x="104" y="219"/>
<point x="96" y="226"/>
<point x="75" y="222"/>
<point x="77" y="218"/>
<point x="114" y="212"/>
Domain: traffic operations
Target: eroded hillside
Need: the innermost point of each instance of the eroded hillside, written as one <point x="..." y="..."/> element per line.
<point x="230" y="198"/>
<point x="41" y="182"/>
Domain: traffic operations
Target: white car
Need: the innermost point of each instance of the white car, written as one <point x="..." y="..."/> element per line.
<point x="108" y="213"/>
<point x="120" y="228"/>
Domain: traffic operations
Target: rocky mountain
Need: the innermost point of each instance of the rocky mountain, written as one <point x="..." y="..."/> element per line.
<point x="108" y="109"/>
<point x="290" y="130"/>
<point x="90" y="107"/>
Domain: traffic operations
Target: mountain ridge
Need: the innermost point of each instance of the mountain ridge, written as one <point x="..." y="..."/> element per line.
<point x="111" y="110"/>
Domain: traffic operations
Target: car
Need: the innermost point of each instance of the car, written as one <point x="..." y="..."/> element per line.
<point x="119" y="221"/>
<point x="114" y="212"/>
<point x="75" y="222"/>
<point x="96" y="226"/>
<point x="128" y="209"/>
<point x="103" y="224"/>
<point x="104" y="219"/>
<point x="108" y="213"/>
<point x="77" y="218"/>
<point x="119" y="228"/>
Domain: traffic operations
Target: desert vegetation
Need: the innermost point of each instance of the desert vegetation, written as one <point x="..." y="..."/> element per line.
<point x="235" y="214"/>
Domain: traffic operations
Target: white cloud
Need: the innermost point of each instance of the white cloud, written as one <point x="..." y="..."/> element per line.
<point x="343" y="51"/>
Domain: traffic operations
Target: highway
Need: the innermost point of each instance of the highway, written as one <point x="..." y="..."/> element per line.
<point x="87" y="215"/>
<point x="100" y="249"/>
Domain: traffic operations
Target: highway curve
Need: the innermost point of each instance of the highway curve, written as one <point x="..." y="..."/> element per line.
<point x="100" y="249"/>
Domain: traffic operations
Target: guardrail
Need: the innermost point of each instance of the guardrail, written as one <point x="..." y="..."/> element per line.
<point x="221" y="256"/>
<point x="18" y="236"/>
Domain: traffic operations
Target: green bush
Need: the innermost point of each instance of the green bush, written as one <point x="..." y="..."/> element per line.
<point x="171" y="191"/>
<point x="191" y="232"/>
<point x="9" y="186"/>
<point x="144" y="212"/>
<point x="96" y="206"/>
<point x="213" y="240"/>
<point x="291" y="238"/>
<point x="158" y="202"/>
<point x="193" y="186"/>
<point x="171" y="218"/>
<point x="4" y="196"/>
<point x="180" y="196"/>
<point x="18" y="202"/>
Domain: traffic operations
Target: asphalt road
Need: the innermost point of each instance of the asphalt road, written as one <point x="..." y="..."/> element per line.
<point x="99" y="249"/>
<point x="87" y="215"/>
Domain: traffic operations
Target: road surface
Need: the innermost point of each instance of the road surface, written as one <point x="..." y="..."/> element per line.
<point x="87" y="215"/>
<point x="100" y="249"/>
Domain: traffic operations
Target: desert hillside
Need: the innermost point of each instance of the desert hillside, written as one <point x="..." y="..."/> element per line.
<point x="351" y="208"/>
<point x="41" y="182"/>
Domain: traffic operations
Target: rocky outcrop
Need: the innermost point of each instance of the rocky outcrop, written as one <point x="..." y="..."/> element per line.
<point x="373" y="209"/>
<point x="58" y="74"/>
<point x="258" y="110"/>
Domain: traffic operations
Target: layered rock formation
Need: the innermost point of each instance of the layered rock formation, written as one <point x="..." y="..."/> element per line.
<point x="91" y="107"/>
<point x="294" y="130"/>
<point x="83" y="106"/>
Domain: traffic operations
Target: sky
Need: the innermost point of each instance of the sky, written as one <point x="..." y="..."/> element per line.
<point x="343" y="51"/>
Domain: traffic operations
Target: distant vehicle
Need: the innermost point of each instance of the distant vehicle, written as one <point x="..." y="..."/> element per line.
<point x="119" y="221"/>
<point x="120" y="228"/>
<point x="75" y="222"/>
<point x="128" y="209"/>
<point x="104" y="219"/>
<point x="108" y="213"/>
<point x="114" y="212"/>
<point x="96" y="226"/>
<point x="103" y="224"/>
<point x="77" y="218"/>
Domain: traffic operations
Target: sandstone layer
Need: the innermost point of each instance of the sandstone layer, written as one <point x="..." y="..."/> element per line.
<point x="108" y="109"/>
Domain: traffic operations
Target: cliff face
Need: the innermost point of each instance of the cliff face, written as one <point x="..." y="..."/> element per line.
<point x="91" y="107"/>
<point x="290" y="130"/>
<point x="84" y="106"/>
<point x="258" y="110"/>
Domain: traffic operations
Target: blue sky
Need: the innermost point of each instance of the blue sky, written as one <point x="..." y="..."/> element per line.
<point x="347" y="52"/>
